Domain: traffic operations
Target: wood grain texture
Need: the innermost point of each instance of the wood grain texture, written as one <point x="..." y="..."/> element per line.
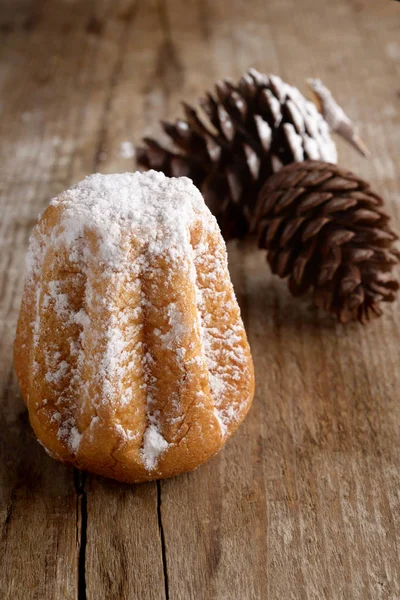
<point x="304" y="500"/>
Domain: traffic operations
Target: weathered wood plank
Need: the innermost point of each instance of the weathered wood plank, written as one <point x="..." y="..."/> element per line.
<point x="123" y="552"/>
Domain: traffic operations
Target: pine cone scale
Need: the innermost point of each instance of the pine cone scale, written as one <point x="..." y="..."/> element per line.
<point x="313" y="228"/>
<point x="356" y="255"/>
<point x="371" y="199"/>
<point x="340" y="184"/>
<point x="290" y="230"/>
<point x="336" y="237"/>
<point x="314" y="178"/>
<point x="327" y="272"/>
<point x="335" y="205"/>
<point x="351" y="279"/>
<point x="311" y="201"/>
<point x="357" y="298"/>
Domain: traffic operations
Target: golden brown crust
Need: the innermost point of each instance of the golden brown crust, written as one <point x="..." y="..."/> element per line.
<point x="132" y="372"/>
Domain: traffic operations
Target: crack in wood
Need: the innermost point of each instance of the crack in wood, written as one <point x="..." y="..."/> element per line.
<point x="81" y="530"/>
<point x="8" y="515"/>
<point x="9" y="511"/>
<point x="162" y="538"/>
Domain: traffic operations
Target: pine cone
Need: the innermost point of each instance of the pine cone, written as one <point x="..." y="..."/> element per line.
<point x="324" y="228"/>
<point x="247" y="132"/>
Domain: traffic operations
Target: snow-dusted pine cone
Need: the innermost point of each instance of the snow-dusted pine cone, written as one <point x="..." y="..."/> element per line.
<point x="245" y="132"/>
<point x="324" y="228"/>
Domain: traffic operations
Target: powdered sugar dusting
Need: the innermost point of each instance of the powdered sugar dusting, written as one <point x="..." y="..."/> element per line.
<point x="153" y="445"/>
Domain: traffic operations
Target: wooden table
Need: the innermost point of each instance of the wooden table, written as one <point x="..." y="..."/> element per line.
<point x="304" y="501"/>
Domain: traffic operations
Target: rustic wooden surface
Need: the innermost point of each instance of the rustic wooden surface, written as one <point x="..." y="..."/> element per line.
<point x="304" y="500"/>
